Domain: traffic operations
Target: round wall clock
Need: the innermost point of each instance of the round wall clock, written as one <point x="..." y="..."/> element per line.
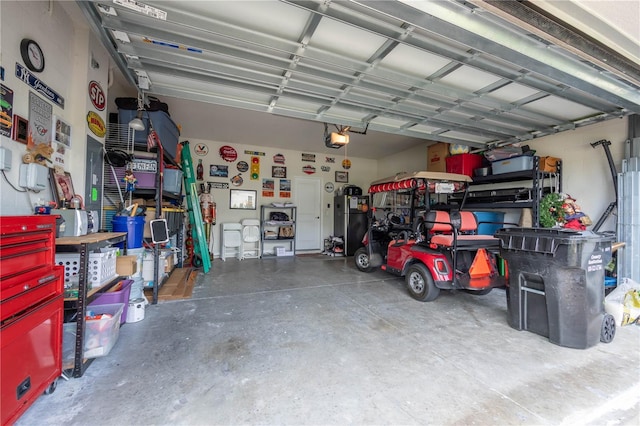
<point x="32" y="55"/>
<point x="328" y="187"/>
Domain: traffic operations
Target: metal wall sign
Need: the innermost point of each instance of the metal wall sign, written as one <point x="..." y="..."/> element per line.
<point x="96" y="124"/>
<point x="218" y="185"/>
<point x="39" y="120"/>
<point x="97" y="95"/>
<point x="201" y="149"/>
<point x="38" y="85"/>
<point x="143" y="165"/>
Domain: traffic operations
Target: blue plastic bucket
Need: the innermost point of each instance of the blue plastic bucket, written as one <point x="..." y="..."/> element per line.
<point x="133" y="226"/>
<point x="489" y="228"/>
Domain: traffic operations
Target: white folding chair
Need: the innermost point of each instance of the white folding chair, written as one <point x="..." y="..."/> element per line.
<point x="250" y="238"/>
<point x="231" y="241"/>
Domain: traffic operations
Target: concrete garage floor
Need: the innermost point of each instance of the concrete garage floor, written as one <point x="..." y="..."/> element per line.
<point x="311" y="340"/>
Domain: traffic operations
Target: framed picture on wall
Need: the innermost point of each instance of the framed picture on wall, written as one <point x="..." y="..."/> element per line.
<point x="243" y="199"/>
<point x="20" y="129"/>
<point x="278" y="172"/>
<point x="61" y="187"/>
<point x="62" y="131"/>
<point x="342" y="177"/>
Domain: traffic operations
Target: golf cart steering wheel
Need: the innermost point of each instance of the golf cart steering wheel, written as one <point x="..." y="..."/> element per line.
<point x="395" y="219"/>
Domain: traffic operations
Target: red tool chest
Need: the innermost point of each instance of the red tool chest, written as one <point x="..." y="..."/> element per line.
<point x="31" y="312"/>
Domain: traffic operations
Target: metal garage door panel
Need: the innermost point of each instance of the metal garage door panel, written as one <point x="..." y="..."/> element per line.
<point x="512" y="92"/>
<point x="560" y="108"/>
<point x="466" y="137"/>
<point x="457" y="67"/>
<point x="346" y="40"/>
<point x="423" y="128"/>
<point x="413" y="61"/>
<point x="263" y="17"/>
<point x="469" y="79"/>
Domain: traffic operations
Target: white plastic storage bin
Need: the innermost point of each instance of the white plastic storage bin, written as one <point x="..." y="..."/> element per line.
<point x="513" y="164"/>
<point x="102" y="266"/>
<point x="147" y="267"/>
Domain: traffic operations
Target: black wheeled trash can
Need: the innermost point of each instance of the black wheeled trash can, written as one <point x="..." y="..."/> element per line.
<point x="556" y="284"/>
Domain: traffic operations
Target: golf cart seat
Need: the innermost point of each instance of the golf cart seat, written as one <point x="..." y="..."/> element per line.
<point x="442" y="232"/>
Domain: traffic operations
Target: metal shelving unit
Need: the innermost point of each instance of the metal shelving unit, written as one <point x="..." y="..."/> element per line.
<point x="538" y="189"/>
<point x="121" y="137"/>
<point x="85" y="245"/>
<point x="274" y="226"/>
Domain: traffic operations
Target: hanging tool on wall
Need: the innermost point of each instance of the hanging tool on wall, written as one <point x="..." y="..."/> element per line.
<point x="614" y="175"/>
<point x="201" y="251"/>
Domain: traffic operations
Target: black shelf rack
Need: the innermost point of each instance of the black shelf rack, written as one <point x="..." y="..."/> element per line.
<point x="85" y="245"/>
<point x="535" y="176"/>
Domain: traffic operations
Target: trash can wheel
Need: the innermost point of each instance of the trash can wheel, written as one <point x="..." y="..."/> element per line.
<point x="51" y="388"/>
<point x="608" y="331"/>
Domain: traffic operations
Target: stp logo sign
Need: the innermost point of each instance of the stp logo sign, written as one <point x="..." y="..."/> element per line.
<point x="98" y="99"/>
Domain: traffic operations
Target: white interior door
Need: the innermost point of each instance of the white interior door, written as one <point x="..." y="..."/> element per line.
<point x="308" y="198"/>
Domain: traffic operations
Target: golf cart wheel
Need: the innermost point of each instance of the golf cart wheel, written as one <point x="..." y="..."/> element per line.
<point x="608" y="331"/>
<point x="420" y="284"/>
<point x="362" y="260"/>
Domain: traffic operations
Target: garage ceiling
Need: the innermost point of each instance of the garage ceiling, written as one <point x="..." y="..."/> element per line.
<point x="474" y="72"/>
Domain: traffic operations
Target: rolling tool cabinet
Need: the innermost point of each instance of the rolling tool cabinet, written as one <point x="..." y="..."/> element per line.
<point x="31" y="311"/>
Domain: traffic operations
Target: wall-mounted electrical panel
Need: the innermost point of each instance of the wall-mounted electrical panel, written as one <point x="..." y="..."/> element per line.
<point x="34" y="177"/>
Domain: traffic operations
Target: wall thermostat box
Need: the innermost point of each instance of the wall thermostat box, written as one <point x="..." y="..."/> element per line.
<point x="34" y="177"/>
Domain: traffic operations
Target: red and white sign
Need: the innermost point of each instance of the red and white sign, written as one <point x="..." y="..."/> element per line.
<point x="309" y="170"/>
<point x="228" y="153"/>
<point x="98" y="98"/>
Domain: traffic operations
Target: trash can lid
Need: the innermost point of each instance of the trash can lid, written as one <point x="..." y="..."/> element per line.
<point x="546" y="240"/>
<point x="556" y="233"/>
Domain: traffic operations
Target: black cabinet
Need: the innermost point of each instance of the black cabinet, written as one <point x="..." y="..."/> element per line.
<point x="350" y="220"/>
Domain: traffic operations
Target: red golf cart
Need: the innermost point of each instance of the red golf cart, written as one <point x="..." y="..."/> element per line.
<point x="418" y="232"/>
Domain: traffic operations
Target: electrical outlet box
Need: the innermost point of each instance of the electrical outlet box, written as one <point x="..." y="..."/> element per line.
<point x="5" y="158"/>
<point x="34" y="177"/>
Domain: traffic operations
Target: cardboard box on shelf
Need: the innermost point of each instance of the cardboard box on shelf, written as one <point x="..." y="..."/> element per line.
<point x="139" y="201"/>
<point x="436" y="155"/>
<point x="126" y="265"/>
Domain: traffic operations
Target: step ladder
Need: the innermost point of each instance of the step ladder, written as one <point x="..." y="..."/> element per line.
<point x="200" y="248"/>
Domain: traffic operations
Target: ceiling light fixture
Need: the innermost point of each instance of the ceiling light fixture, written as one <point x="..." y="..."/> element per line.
<point x="136" y="123"/>
<point x="336" y="139"/>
